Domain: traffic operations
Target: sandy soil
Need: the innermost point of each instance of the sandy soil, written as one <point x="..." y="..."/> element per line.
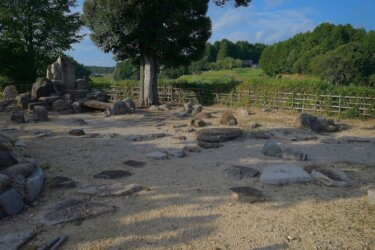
<point x="187" y="203"/>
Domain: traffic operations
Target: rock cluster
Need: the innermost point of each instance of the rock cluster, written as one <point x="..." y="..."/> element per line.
<point x="319" y="124"/>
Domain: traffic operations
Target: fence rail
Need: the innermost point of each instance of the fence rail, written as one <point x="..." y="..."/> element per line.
<point x="353" y="106"/>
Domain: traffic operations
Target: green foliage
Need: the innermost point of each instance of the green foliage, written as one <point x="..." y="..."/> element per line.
<point x="100" y="70"/>
<point x="5" y="81"/>
<point x="33" y="33"/>
<point x="339" y="54"/>
<point x="125" y="71"/>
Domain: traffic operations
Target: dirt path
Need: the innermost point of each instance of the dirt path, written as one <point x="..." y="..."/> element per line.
<point x="187" y="202"/>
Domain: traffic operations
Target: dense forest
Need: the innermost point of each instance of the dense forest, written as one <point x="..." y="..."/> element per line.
<point x="339" y="54"/>
<point x="222" y="54"/>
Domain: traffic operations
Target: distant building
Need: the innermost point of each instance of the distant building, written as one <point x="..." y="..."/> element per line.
<point x="247" y="63"/>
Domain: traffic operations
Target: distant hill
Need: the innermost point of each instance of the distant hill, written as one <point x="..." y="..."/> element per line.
<point x="100" y="70"/>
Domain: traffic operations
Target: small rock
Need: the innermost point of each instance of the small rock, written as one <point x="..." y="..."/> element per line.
<point x="112" y="174"/>
<point x="34" y="184"/>
<point x="11" y="202"/>
<point x="40" y="113"/>
<point x="77" y="132"/>
<point x="73" y="209"/>
<point x="61" y="182"/>
<point x="228" y="119"/>
<point x="197" y="109"/>
<point x="284" y="174"/>
<point x="157" y="155"/>
<point x="329" y="175"/>
<point x="182" y="114"/>
<point x="20" y="145"/>
<point x="239" y="172"/>
<point x="247" y="194"/>
<point x="18" y="117"/>
<point x="272" y="149"/>
<point x="10" y="92"/>
<point x="80" y="122"/>
<point x="180" y="137"/>
<point x="197" y="123"/>
<point x="14" y="241"/>
<point x="177" y="153"/>
<point x="165" y="107"/>
<point x="255" y="125"/>
<point x="371" y="195"/>
<point x="192" y="149"/>
<point x="134" y="164"/>
<point x="115" y="189"/>
<point x="6" y="159"/>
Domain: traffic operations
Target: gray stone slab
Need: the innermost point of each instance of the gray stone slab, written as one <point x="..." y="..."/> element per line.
<point x="34" y="184"/>
<point x="115" y="189"/>
<point x="284" y="174"/>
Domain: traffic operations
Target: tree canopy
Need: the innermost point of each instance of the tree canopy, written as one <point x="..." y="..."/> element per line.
<point x="33" y="33"/>
<point x="337" y="53"/>
<point x="170" y="32"/>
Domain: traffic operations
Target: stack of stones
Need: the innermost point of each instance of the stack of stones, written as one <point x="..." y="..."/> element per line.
<point x="21" y="182"/>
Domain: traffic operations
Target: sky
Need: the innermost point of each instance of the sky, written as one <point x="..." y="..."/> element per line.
<point x="265" y="21"/>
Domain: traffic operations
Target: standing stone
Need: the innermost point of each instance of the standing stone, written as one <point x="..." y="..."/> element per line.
<point x="18" y="117"/>
<point x="10" y="92"/>
<point x="41" y="88"/>
<point x="11" y="202"/>
<point x="34" y="184"/>
<point x="23" y="100"/>
<point x="188" y="107"/>
<point x="63" y="69"/>
<point x="77" y="107"/>
<point x="40" y="113"/>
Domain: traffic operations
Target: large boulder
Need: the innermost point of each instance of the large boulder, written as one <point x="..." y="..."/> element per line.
<point x="64" y="70"/>
<point x="317" y="124"/>
<point x="40" y="113"/>
<point x="120" y="108"/>
<point x="228" y="119"/>
<point x="129" y="103"/>
<point x="23" y="100"/>
<point x="42" y="88"/>
<point x="10" y="92"/>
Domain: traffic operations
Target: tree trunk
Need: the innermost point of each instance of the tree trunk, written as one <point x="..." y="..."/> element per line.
<point x="141" y="99"/>
<point x="150" y="80"/>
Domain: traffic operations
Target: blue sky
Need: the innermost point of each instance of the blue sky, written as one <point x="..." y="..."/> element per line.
<point x="266" y="21"/>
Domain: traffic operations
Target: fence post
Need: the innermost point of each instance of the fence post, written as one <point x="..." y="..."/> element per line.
<point x="340" y="105"/>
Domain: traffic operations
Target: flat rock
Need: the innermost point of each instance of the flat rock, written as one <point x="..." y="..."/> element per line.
<point x="115" y="189"/>
<point x="80" y="122"/>
<point x="113" y="174"/>
<point x="218" y="134"/>
<point x="258" y="135"/>
<point x="192" y="149"/>
<point x="11" y="202"/>
<point x="34" y="184"/>
<point x="208" y="145"/>
<point x="179" y="153"/>
<point x="240" y="172"/>
<point x="61" y="182"/>
<point x="247" y="194"/>
<point x="73" y="209"/>
<point x="284" y="174"/>
<point x="329" y="175"/>
<point x="14" y="241"/>
<point x="157" y="155"/>
<point x="77" y="132"/>
<point x="43" y="133"/>
<point x="134" y="164"/>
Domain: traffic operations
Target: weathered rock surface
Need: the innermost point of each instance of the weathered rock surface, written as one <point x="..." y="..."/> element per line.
<point x="188" y="107"/>
<point x="77" y="132"/>
<point x="112" y="174"/>
<point x="77" y="107"/>
<point x="4" y="182"/>
<point x="318" y="124"/>
<point x="129" y="103"/>
<point x="18" y="117"/>
<point x="228" y="119"/>
<point x="6" y="159"/>
<point x="120" y="108"/>
<point x="23" y="169"/>
<point x="40" y="113"/>
<point x="284" y="174"/>
<point x="73" y="209"/>
<point x="272" y="149"/>
<point x="179" y="153"/>
<point x="34" y="184"/>
<point x="11" y="202"/>
<point x="192" y="149"/>
<point x="329" y="175"/>
<point x="240" y="172"/>
<point x="61" y="182"/>
<point x="10" y="92"/>
<point x="64" y="70"/>
<point x="42" y="88"/>
<point x="115" y="189"/>
<point x="247" y="194"/>
<point x="134" y="164"/>
<point x="197" y="108"/>
<point x="157" y="155"/>
<point x="198" y="123"/>
<point x="218" y="134"/>
<point x="43" y="133"/>
<point x="15" y="241"/>
<point x="59" y="105"/>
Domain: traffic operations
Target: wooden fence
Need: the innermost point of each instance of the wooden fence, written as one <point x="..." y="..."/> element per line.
<point x="350" y="106"/>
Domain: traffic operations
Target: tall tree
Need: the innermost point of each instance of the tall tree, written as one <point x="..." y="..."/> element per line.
<point x="151" y="32"/>
<point x="39" y="30"/>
